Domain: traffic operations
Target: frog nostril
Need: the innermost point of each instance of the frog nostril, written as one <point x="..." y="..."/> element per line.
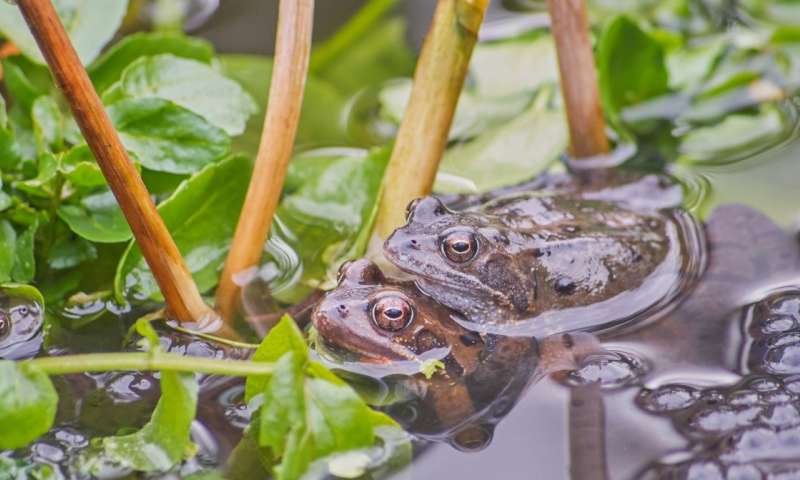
<point x="565" y="286"/>
<point x="414" y="243"/>
<point x="342" y="309"/>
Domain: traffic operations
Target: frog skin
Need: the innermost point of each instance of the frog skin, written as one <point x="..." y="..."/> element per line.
<point x="550" y="260"/>
<point x="376" y="325"/>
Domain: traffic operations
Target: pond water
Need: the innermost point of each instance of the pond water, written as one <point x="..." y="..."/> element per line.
<point x="711" y="389"/>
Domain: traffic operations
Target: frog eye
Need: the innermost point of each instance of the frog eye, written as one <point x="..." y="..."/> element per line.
<point x="392" y="313"/>
<point x="460" y="246"/>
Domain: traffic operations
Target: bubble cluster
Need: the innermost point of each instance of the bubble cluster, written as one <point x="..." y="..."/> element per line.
<point x="750" y="430"/>
<point x="773" y="324"/>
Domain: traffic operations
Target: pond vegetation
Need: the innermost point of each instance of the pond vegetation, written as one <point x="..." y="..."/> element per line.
<point x="699" y="96"/>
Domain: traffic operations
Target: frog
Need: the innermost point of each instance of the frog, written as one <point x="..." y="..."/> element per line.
<point x="387" y="328"/>
<point x="21" y="323"/>
<point x="558" y="257"/>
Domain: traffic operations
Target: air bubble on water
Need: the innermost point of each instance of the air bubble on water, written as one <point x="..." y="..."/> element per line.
<point x="723" y="418"/>
<point x="781" y="416"/>
<point x="668" y="398"/>
<point x="751" y="444"/>
<point x="776" y="397"/>
<point x="744" y="398"/>
<point x="705" y="471"/>
<point x="763" y="384"/>
<point x="777" y="324"/>
<point x="792" y="384"/>
<point x="744" y="472"/>
<point x="609" y="369"/>
<point x="786" y="339"/>
<point x="784" y="359"/>
<point x="787" y="305"/>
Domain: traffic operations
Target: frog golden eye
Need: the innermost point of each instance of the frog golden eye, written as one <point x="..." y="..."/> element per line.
<point x="460" y="246"/>
<point x="392" y="313"/>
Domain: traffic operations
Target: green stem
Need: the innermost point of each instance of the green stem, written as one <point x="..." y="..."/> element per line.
<point x="350" y="33"/>
<point x="107" y="362"/>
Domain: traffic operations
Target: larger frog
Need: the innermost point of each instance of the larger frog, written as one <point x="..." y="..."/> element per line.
<point x="556" y="258"/>
<point x="388" y="329"/>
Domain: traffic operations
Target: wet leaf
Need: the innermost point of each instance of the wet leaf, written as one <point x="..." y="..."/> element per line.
<point x="28" y="404"/>
<point x="193" y="85"/>
<point x="97" y="218"/>
<point x="108" y="68"/>
<point x="306" y="412"/>
<point x="201" y="215"/>
<point x="80" y="168"/>
<point x="89" y="23"/>
<point x="25" y="262"/>
<point x="164" y="440"/>
<point x="166" y="137"/>
<point x="283" y="338"/>
<point x="631" y="66"/>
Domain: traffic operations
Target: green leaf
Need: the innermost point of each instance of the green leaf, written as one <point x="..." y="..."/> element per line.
<point x="70" y="251"/>
<point x="42" y="184"/>
<point x="28" y="404"/>
<point x="166" y="137"/>
<point x="25" y="81"/>
<point x="80" y="168"/>
<point x="305" y="412"/>
<point x="511" y="67"/>
<point x="502" y="155"/>
<point x="164" y="440"/>
<point x="8" y="248"/>
<point x="202" y="216"/>
<point x="89" y="23"/>
<point x="285" y="337"/>
<point x="631" y="66"/>
<point x="192" y="85"/>
<point x="22" y="469"/>
<point x="107" y="69"/>
<point x="25" y="263"/>
<point x="97" y="218"/>
<point x="48" y="124"/>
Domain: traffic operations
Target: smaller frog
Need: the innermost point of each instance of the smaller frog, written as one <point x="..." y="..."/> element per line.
<point x="388" y="328"/>
<point x="542" y="258"/>
<point x="21" y="323"/>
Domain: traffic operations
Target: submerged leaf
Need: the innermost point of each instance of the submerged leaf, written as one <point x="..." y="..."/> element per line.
<point x="27" y="404"/>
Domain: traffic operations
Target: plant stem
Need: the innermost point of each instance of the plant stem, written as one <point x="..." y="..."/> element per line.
<point x="151" y="234"/>
<point x="350" y="33"/>
<point x="570" y="27"/>
<point x="422" y="137"/>
<point x="107" y="362"/>
<point x="292" y="50"/>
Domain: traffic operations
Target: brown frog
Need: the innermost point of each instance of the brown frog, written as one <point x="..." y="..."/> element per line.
<point x="388" y="329"/>
<point x="557" y="258"/>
